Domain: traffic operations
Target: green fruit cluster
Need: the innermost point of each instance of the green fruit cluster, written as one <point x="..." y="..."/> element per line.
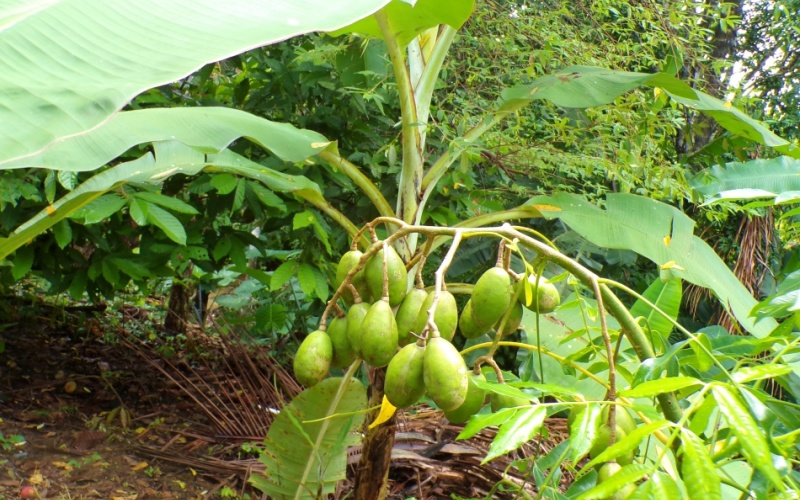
<point x="388" y="325"/>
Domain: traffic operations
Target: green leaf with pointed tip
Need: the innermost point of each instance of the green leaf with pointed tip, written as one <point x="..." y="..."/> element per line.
<point x="301" y="456"/>
<point x="167" y="222"/>
<point x="516" y="431"/>
<point x="626" y="475"/>
<point x="655" y="387"/>
<point x="697" y="470"/>
<point x="583" y="431"/>
<point x="666" y="295"/>
<point x="100" y="209"/>
<point x="116" y="49"/>
<point x="632" y="222"/>
<point x="170" y="158"/>
<point x="751" y="440"/>
<point x="744" y="181"/>
<point x="628" y="443"/>
<point x="410" y="18"/>
<point x="478" y="422"/>
<point x="167" y="202"/>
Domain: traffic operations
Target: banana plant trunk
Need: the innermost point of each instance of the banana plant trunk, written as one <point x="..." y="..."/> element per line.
<point x="372" y="474"/>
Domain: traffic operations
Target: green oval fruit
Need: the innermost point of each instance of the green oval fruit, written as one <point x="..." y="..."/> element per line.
<point x="355" y="317"/>
<point x="472" y="404"/>
<point x="514" y="320"/>
<point x="404" y="383"/>
<point x="545" y="296"/>
<point x="398" y="276"/>
<point x="445" y="316"/>
<point x="407" y="315"/>
<point x="467" y="326"/>
<point x="601" y="443"/>
<point x="609" y="470"/>
<point x="500" y="401"/>
<point x="343" y="354"/>
<point x="379" y="335"/>
<point x="313" y="358"/>
<point x="622" y="418"/>
<point x="491" y="296"/>
<point x="445" y="374"/>
<point x="348" y="261"/>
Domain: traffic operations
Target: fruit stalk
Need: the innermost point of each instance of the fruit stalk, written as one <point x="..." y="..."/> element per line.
<point x="439" y="283"/>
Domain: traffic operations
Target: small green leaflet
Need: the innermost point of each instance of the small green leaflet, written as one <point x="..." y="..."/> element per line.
<point x="167" y="222"/>
<point x="698" y="471"/>
<point x="516" y="431"/>
<point x="655" y="387"/>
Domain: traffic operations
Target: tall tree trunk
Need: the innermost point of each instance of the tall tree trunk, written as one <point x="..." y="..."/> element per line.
<point x="372" y="473"/>
<point x="700" y="129"/>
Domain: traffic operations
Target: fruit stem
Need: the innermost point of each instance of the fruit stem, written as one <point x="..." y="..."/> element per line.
<point x="491" y="362"/>
<point x="385" y="272"/>
<point x="439" y="284"/>
<point x="423" y="258"/>
<point x="356" y="296"/>
<point x="501" y="253"/>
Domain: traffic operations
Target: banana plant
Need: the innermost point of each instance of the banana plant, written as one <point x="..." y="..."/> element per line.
<point x="68" y="116"/>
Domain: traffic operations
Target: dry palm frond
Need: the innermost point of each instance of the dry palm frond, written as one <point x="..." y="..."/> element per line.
<point x="236" y="384"/>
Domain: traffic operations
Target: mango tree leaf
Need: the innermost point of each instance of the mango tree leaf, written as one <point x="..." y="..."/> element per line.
<point x="628" y="443"/>
<point x="697" y="470"/>
<point x="655" y="387"/>
<point x="583" y="431"/>
<point x="751" y="440"/>
<point x="410" y="18"/>
<point x="626" y="475"/>
<point x="759" y="372"/>
<point x="170" y="158"/>
<point x="632" y="222"/>
<point x="748" y="180"/>
<point x="585" y="86"/>
<point x="100" y="209"/>
<point x="478" y="422"/>
<point x="516" y="431"/>
<point x="111" y="59"/>
<point x="306" y="459"/>
<point x="666" y="295"/>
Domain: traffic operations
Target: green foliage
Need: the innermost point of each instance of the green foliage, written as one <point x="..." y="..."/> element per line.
<point x="305" y="451"/>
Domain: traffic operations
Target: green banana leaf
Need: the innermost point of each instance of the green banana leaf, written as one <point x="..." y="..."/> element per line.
<point x="777" y="179"/>
<point x="306" y="460"/>
<point x="666" y="295"/>
<point x="69" y="65"/>
<point x="409" y="18"/>
<point x="209" y="130"/>
<point x="661" y="233"/>
<point x="170" y="158"/>
<point x="584" y="86"/>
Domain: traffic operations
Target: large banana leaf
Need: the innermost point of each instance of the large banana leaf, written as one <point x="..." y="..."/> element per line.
<point x="583" y="86"/>
<point x="306" y="460"/>
<point x="661" y="233"/>
<point x="170" y="158"/>
<point x="409" y="18"/>
<point x="775" y="178"/>
<point x="69" y="65"/>
<point x="206" y="129"/>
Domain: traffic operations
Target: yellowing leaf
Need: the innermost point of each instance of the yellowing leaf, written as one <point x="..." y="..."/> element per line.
<point x="550" y="208"/>
<point x="387" y="410"/>
<point x="67" y="467"/>
<point x="140" y="466"/>
<point x="667" y="241"/>
<point x="657" y="92"/>
<point x="194" y="472"/>
<point x="728" y="104"/>
<point x="672" y="265"/>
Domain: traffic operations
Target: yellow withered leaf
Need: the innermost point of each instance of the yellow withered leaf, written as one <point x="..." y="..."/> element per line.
<point x="140" y="466"/>
<point x="549" y="208"/>
<point x="387" y="410"/>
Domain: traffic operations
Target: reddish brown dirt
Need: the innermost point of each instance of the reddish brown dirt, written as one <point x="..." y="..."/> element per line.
<point x="80" y="407"/>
